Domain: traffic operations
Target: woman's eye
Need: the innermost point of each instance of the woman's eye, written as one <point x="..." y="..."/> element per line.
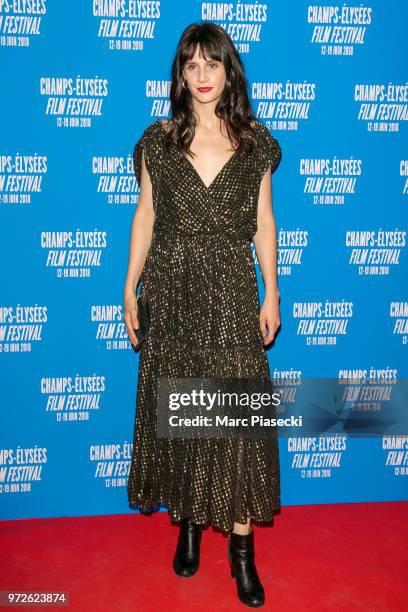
<point x="213" y="65"/>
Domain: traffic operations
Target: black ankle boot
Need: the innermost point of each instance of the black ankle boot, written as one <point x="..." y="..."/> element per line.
<point x="187" y="558"/>
<point x="241" y="557"/>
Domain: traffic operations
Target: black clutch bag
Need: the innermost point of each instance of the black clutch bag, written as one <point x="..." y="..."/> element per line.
<point x="143" y="315"/>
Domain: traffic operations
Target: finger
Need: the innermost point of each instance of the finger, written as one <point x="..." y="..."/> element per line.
<point x="130" y="317"/>
<point x="267" y="338"/>
<point x="271" y="334"/>
<point x="275" y="327"/>
<point x="130" y="329"/>
<point x="262" y="325"/>
<point x="134" y="319"/>
<point x="132" y="336"/>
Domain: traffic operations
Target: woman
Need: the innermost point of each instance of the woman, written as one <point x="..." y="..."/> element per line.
<point x="190" y="245"/>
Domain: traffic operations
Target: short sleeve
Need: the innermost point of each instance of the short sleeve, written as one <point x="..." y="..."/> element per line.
<point x="270" y="152"/>
<point x="150" y="143"/>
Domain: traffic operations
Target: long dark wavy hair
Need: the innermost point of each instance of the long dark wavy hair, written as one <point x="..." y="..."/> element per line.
<point x="233" y="106"/>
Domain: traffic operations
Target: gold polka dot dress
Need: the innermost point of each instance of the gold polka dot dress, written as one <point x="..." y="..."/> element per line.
<point x="200" y="279"/>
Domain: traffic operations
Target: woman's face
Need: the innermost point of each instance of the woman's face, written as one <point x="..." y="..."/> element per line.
<point x="205" y="78"/>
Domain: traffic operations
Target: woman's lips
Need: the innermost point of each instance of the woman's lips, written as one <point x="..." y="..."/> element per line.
<point x="204" y="89"/>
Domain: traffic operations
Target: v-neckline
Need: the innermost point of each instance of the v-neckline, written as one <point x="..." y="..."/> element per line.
<point x="219" y="173"/>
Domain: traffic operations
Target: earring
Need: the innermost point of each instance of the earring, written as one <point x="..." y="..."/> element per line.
<point x="186" y="85"/>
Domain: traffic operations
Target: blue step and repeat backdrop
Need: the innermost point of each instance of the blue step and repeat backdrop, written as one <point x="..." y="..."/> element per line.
<point x="80" y="82"/>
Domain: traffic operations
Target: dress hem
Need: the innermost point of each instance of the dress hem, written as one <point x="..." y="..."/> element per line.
<point x="175" y="516"/>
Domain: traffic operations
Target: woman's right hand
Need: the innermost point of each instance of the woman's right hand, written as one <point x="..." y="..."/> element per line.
<point x="130" y="317"/>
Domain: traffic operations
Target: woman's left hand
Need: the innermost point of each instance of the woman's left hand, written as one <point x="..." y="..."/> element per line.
<point x="269" y="317"/>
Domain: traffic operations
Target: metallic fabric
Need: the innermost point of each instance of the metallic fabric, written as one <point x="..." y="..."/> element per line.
<point x="200" y="278"/>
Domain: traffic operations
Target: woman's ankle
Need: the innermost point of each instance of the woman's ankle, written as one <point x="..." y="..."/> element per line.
<point x="242" y="529"/>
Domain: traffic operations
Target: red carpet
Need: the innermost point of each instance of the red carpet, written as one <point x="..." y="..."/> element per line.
<point x="326" y="557"/>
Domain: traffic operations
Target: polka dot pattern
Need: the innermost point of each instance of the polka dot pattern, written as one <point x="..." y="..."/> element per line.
<point x="200" y="279"/>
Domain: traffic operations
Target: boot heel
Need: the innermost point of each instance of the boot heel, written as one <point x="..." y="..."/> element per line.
<point x="229" y="557"/>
